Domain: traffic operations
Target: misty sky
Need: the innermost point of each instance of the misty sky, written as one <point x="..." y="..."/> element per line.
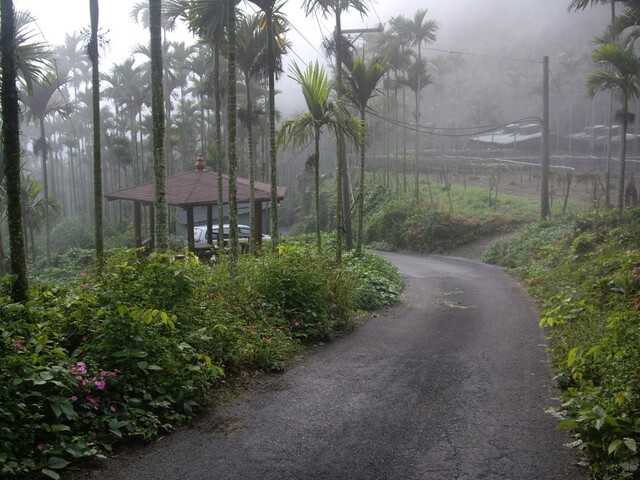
<point x="494" y="27"/>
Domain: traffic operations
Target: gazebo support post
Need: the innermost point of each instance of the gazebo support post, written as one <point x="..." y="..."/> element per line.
<point x="190" y="238"/>
<point x="258" y="222"/>
<point x="209" y="235"/>
<point x="137" y="223"/>
<point x="152" y="226"/>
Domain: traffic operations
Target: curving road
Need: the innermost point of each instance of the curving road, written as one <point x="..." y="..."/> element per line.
<point x="452" y="383"/>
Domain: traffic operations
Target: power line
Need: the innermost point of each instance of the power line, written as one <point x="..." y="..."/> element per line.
<point x="435" y="130"/>
<point x="484" y="55"/>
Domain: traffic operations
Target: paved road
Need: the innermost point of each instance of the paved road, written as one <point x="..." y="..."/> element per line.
<point x="450" y="384"/>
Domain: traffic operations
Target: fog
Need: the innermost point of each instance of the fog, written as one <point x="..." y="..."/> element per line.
<point x="485" y="68"/>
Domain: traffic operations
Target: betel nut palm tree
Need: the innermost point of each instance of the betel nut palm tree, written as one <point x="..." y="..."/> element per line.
<point x="208" y="20"/>
<point x="335" y="8"/>
<point x="362" y="82"/>
<point x="322" y="112"/>
<point x="420" y="31"/>
<point x="161" y="212"/>
<point x="249" y="43"/>
<point x="11" y="149"/>
<point x="619" y="72"/>
<point x="274" y="32"/>
<point x="92" y="50"/>
<point x="42" y="104"/>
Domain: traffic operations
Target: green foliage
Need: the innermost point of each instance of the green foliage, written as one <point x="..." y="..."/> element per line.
<point x="517" y="253"/>
<point x="312" y="296"/>
<point x="95" y="359"/>
<point x="380" y="283"/>
<point x="72" y="232"/>
<point x="401" y="223"/>
<point x="586" y="272"/>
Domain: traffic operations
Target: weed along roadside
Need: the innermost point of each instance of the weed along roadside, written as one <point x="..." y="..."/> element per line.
<point x="130" y="354"/>
<point x="584" y="272"/>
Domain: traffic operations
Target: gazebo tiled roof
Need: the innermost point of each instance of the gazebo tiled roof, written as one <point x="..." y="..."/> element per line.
<point x="192" y="189"/>
<point x="197" y="187"/>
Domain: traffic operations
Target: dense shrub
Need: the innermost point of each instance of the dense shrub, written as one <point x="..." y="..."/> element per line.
<point x="134" y="350"/>
<point x="380" y="283"/>
<point x="306" y="291"/>
<point x="517" y="253"/>
<point x="404" y="224"/>
<point x="72" y="232"/>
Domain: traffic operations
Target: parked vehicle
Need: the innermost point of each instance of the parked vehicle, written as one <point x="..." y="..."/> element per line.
<point x="244" y="232"/>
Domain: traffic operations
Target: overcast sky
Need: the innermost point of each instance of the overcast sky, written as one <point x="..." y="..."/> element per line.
<point x="486" y="25"/>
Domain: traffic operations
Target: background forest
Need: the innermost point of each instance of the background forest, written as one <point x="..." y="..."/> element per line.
<point x="422" y="132"/>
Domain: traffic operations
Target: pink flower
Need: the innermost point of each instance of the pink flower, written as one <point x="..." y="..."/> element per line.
<point x="85" y="285"/>
<point x="113" y="409"/>
<point x="40" y="447"/>
<point x="100" y="384"/>
<point x="74" y="398"/>
<point x="79" y="378"/>
<point x="18" y="343"/>
<point x="85" y="338"/>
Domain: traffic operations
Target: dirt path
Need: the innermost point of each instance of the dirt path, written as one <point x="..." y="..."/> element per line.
<point x="452" y="383"/>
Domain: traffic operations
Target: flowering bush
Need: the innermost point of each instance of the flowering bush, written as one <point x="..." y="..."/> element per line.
<point x="133" y="351"/>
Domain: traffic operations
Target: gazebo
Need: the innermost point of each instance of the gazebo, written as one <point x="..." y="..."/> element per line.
<point x="188" y="190"/>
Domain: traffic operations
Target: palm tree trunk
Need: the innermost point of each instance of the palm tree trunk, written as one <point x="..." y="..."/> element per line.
<point x="11" y="150"/>
<point x="623" y="156"/>
<point x="231" y="125"/>
<point x="361" y="193"/>
<point x="272" y="130"/>
<point x="252" y="169"/>
<point x="45" y="182"/>
<point x="157" y="109"/>
<point x="316" y="165"/>
<point x="341" y="198"/>
<point x="97" y="161"/>
<point x="218" y="134"/>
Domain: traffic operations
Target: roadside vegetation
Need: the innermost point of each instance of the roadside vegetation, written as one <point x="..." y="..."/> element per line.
<point x="446" y="216"/>
<point x="96" y="359"/>
<point x="585" y="272"/>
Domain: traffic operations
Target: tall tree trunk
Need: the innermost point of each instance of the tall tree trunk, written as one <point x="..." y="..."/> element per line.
<point x="45" y="182"/>
<point x="97" y="161"/>
<point x="231" y="125"/>
<point x="157" y="109"/>
<point x="252" y="168"/>
<point x="316" y="193"/>
<point x="623" y="155"/>
<point x="11" y="150"/>
<point x="361" y="193"/>
<point x="341" y="198"/>
<point x="272" y="130"/>
<point x="218" y="134"/>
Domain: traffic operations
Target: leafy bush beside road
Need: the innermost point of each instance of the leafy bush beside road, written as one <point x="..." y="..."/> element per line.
<point x="586" y="273"/>
<point x="94" y="359"/>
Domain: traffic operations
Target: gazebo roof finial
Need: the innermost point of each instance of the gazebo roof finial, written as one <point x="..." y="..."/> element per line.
<point x="200" y="162"/>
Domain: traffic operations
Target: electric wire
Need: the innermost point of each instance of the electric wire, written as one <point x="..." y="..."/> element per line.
<point x="484" y="55"/>
<point x="434" y="130"/>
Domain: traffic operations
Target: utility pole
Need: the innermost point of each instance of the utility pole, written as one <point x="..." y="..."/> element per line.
<point x="545" y="210"/>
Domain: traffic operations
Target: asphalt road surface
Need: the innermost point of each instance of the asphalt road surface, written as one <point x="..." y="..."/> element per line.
<point x="452" y="383"/>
